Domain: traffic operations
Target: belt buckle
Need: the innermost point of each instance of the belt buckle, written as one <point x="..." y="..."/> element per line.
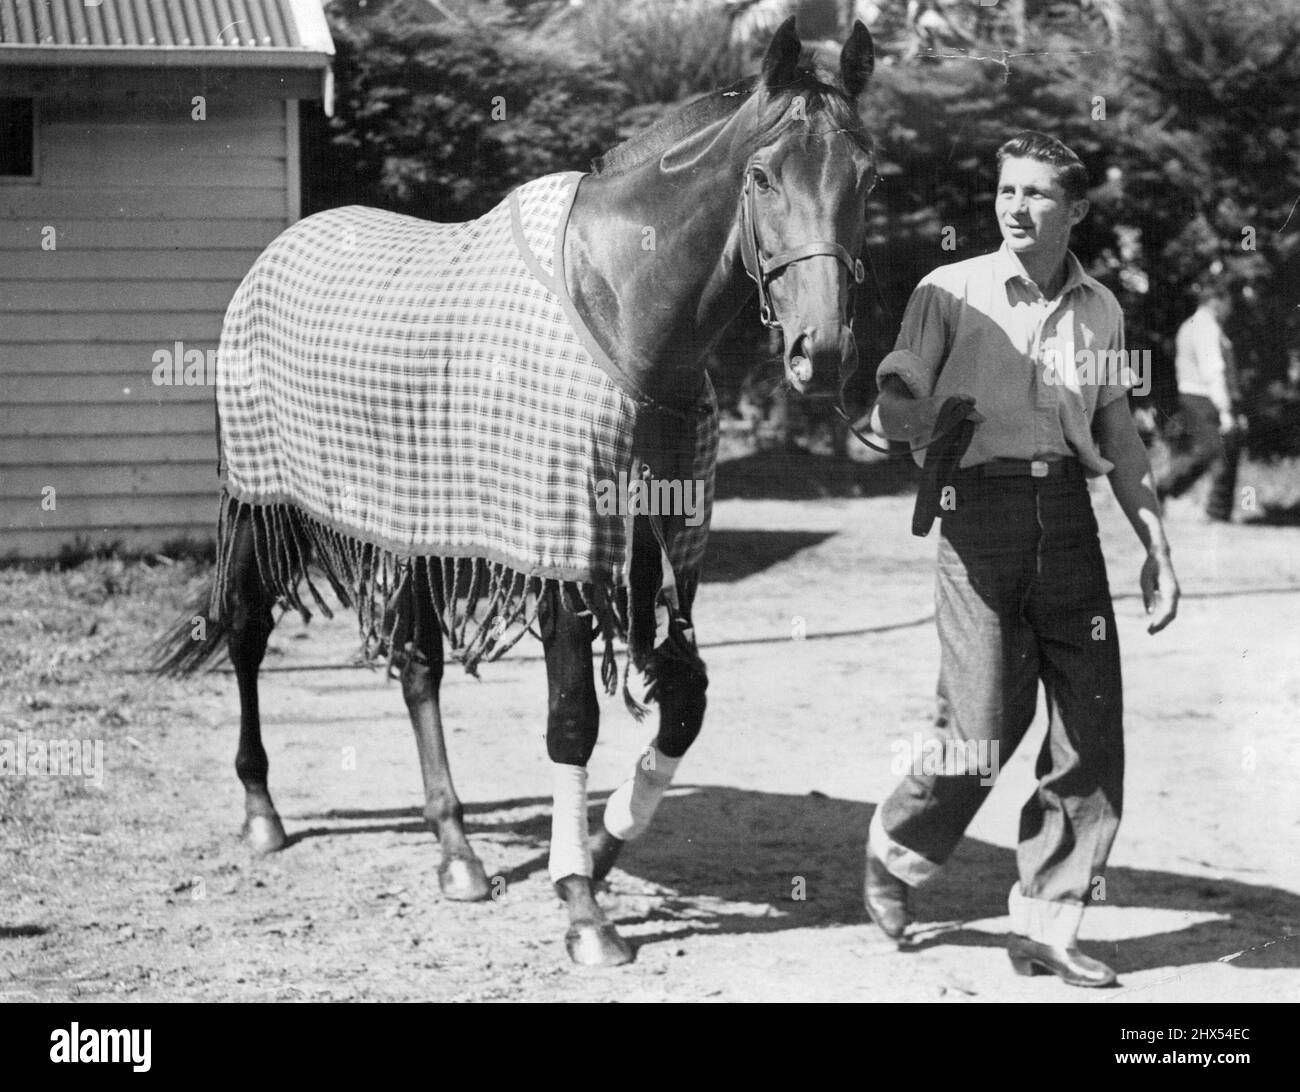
<point x="1038" y="469"/>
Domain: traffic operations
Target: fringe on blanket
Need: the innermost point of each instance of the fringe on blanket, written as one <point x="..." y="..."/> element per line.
<point x="483" y="607"/>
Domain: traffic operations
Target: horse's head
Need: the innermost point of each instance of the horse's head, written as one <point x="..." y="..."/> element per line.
<point x="803" y="207"/>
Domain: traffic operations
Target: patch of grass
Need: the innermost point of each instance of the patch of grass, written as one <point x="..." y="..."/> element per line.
<point x="67" y="635"/>
<point x="82" y="549"/>
<point x="187" y="548"/>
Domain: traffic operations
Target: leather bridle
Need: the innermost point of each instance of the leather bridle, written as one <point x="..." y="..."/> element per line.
<point x="763" y="270"/>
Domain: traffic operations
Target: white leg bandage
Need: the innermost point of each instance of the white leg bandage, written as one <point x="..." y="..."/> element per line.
<point x="631" y="807"/>
<point x="570" y="853"/>
<point x="1044" y="921"/>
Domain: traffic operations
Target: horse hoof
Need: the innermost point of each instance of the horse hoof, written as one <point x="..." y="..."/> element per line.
<point x="463" y="880"/>
<point x="264" y="833"/>
<point x="597" y="945"/>
<point x="605" y="849"/>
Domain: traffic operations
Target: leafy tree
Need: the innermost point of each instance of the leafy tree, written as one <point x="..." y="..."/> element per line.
<point x="663" y="51"/>
<point x="440" y="113"/>
<point x="1211" y="152"/>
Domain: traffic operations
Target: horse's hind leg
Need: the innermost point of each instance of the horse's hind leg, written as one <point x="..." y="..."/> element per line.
<point x="250" y="627"/>
<point x="461" y="874"/>
<point x="573" y="720"/>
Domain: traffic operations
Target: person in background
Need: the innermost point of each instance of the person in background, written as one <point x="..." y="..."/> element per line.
<point x="1209" y="407"/>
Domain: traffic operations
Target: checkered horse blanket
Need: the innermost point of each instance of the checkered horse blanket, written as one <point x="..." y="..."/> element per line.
<point x="395" y="393"/>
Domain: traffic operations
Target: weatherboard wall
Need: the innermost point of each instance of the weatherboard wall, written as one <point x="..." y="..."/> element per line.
<point x="156" y="217"/>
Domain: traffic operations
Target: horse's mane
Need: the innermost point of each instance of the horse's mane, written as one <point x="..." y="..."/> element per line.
<point x="673" y="128"/>
<point x="821" y="98"/>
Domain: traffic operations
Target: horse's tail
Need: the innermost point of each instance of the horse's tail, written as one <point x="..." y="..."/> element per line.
<point x="193" y="642"/>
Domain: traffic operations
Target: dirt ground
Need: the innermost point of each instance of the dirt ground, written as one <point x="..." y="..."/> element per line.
<point x="140" y="890"/>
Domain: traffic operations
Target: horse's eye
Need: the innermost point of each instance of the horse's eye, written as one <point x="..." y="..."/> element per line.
<point x="760" y="178"/>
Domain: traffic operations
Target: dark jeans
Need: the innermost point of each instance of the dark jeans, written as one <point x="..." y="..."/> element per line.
<point x="1203" y="448"/>
<point x="1021" y="596"/>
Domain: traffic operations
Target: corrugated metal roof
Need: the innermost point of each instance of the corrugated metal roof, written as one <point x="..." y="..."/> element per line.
<point x="163" y="24"/>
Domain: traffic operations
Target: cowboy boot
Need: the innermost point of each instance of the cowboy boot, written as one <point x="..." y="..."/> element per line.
<point x="1044" y="941"/>
<point x="1071" y="966"/>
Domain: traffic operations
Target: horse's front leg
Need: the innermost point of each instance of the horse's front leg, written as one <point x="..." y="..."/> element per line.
<point x="572" y="724"/>
<point x="460" y="875"/>
<point x="681" y="698"/>
<point x="633" y="804"/>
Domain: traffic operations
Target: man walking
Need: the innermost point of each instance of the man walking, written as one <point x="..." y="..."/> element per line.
<point x="1209" y="408"/>
<point x="1035" y="348"/>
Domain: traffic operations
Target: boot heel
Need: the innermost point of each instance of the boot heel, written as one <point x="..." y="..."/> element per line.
<point x="1023" y="965"/>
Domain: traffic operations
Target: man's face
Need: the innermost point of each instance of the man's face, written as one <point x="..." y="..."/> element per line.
<point x="1034" y="214"/>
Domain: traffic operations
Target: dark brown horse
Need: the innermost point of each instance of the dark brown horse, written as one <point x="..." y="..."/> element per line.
<point x="759" y="187"/>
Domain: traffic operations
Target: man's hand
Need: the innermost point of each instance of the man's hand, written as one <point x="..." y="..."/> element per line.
<point x="1118" y="439"/>
<point x="899" y="415"/>
<point x="1160" y="591"/>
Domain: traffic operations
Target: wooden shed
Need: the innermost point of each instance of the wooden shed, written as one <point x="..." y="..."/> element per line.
<point x="149" y="150"/>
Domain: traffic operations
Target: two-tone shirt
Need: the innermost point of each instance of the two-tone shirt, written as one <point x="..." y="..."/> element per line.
<point x="1038" y="368"/>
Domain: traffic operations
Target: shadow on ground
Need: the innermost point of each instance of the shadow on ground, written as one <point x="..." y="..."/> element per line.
<point x="734" y="555"/>
<point x="713" y="846"/>
<point x="1275" y="515"/>
<point x="801" y="475"/>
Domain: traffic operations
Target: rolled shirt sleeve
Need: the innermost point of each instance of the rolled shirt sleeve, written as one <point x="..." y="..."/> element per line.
<point x="923" y="341"/>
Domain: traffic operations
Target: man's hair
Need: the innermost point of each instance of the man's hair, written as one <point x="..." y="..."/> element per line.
<point x="1210" y="290"/>
<point x="1070" y="171"/>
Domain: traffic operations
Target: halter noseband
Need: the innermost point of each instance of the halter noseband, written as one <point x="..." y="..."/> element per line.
<point x="763" y="270"/>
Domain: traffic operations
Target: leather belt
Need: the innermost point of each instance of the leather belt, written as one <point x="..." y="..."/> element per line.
<point x="1030" y="468"/>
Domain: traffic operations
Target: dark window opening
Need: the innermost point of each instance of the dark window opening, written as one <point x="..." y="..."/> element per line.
<point x="17" y="138"/>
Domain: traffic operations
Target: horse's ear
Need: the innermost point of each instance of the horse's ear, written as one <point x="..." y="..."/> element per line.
<point x="781" y="62"/>
<point x="857" y="60"/>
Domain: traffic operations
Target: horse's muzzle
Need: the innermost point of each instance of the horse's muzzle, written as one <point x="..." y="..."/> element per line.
<point x="821" y="359"/>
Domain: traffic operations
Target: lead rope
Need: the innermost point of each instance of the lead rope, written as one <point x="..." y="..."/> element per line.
<point x="844" y="416"/>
